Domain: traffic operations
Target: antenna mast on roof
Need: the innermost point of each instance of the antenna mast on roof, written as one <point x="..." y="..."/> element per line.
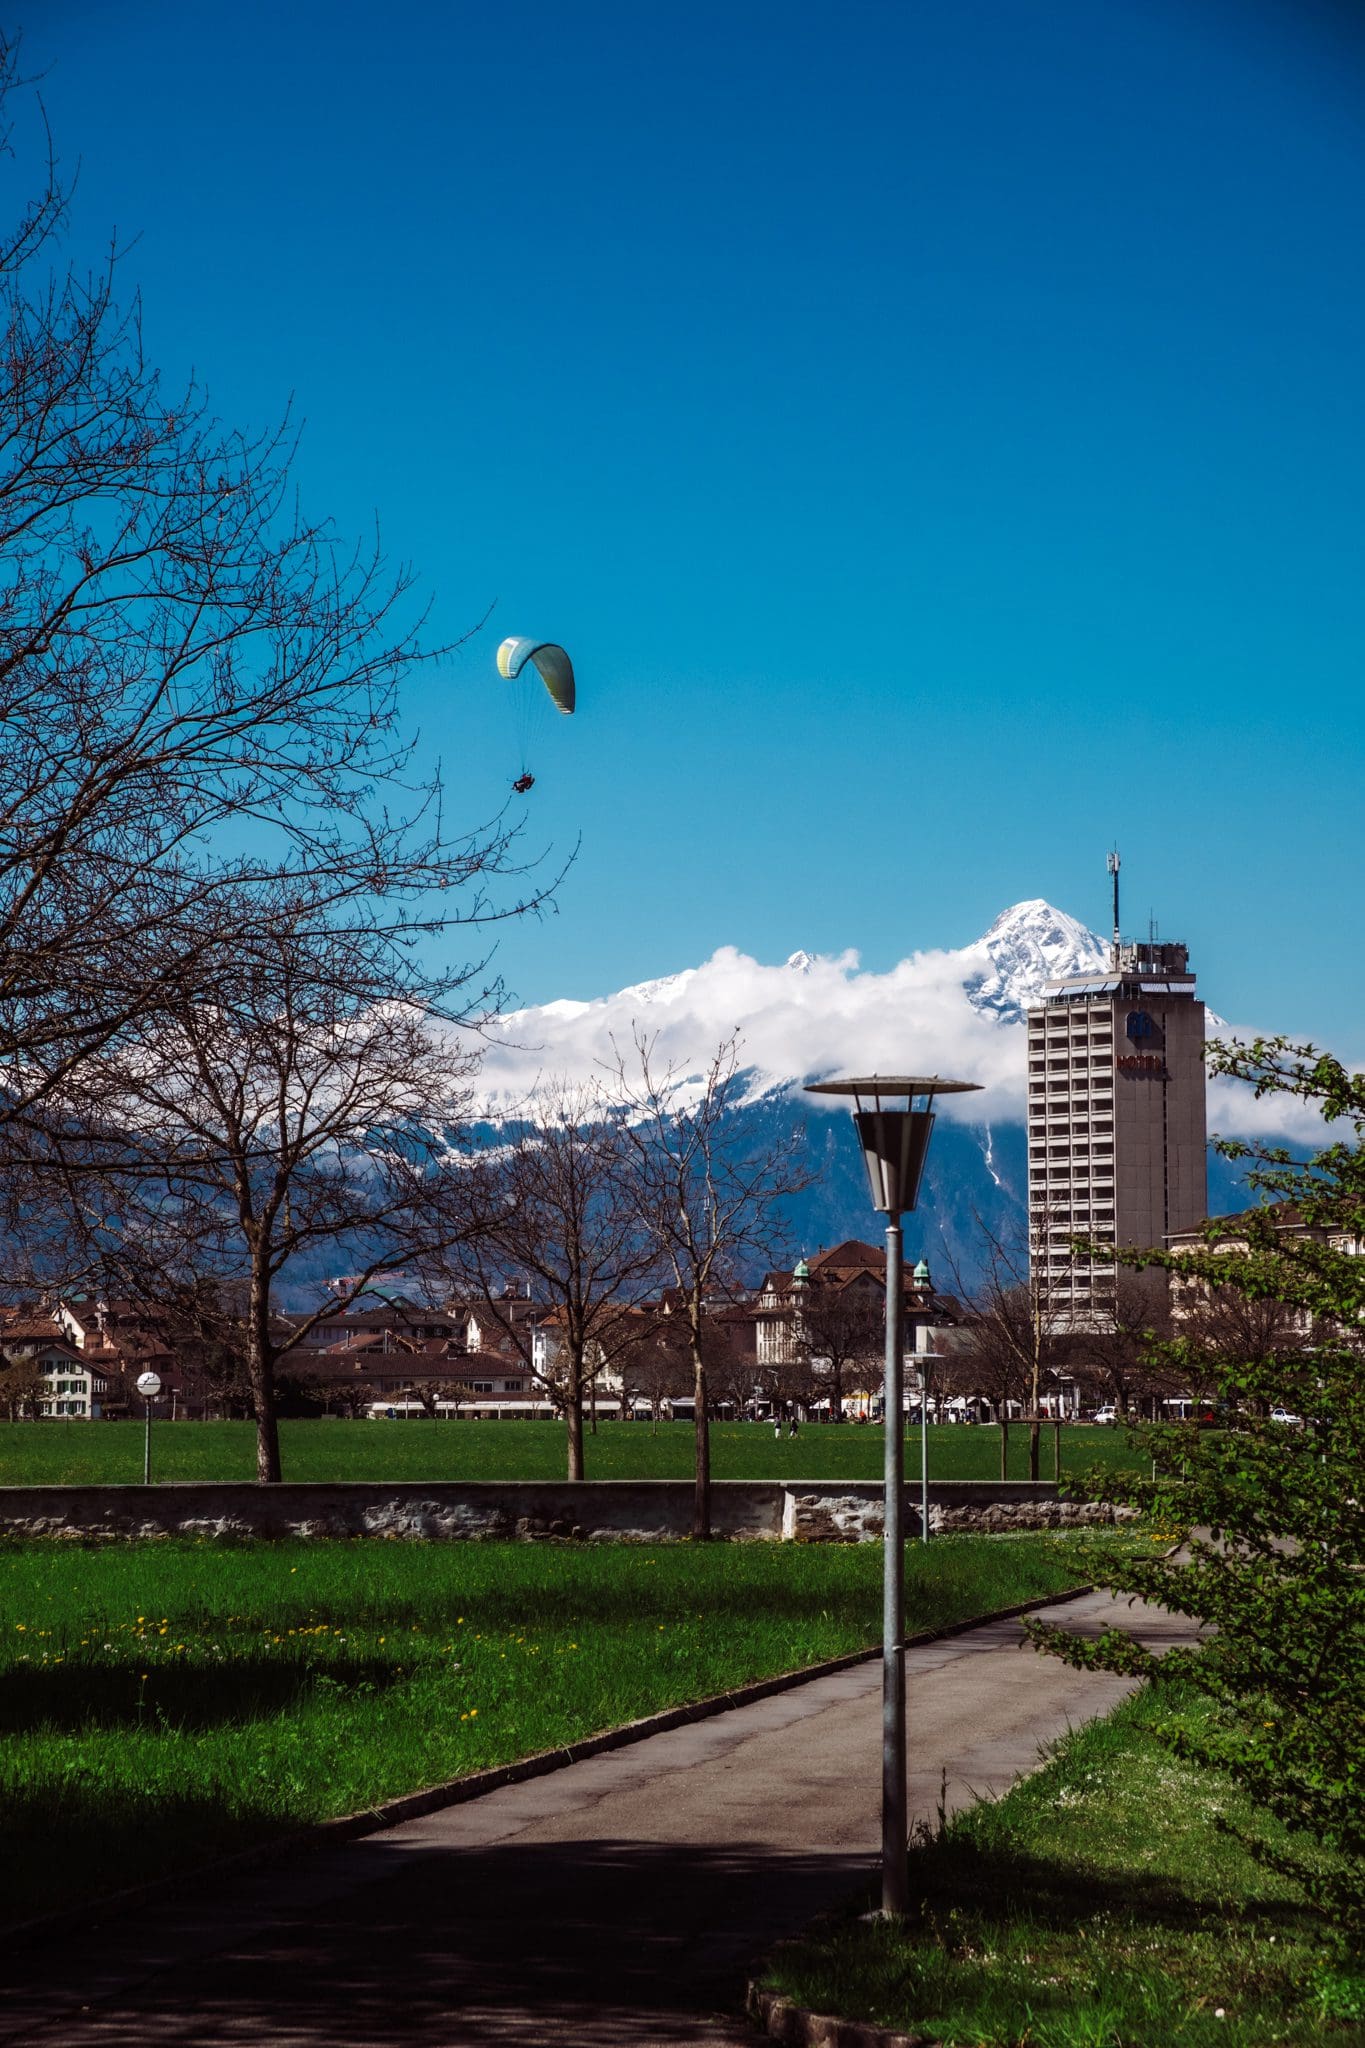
<point x="1113" y="864"/>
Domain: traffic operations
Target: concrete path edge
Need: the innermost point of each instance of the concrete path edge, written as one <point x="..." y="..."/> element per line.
<point x="457" y="1791"/>
<point x="780" y="2020"/>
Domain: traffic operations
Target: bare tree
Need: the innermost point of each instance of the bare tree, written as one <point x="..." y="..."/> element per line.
<point x="709" y="1197"/>
<point x="1117" y="1351"/>
<point x="1009" y="1345"/>
<point x="554" y="1200"/>
<point x="1227" y="1327"/>
<point x="21" y="1383"/>
<point x="839" y="1327"/>
<point x="990" y="1354"/>
<point x="428" y="1394"/>
<point x="297" y="1110"/>
<point x="350" y="1393"/>
<point x="201" y="1320"/>
<point x="656" y="1362"/>
<point x="733" y="1371"/>
<point x="199" y="686"/>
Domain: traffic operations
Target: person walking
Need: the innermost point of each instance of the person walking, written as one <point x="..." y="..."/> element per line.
<point x="792" y="1430"/>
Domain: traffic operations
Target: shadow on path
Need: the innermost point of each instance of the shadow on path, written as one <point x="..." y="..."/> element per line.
<point x="602" y="1942"/>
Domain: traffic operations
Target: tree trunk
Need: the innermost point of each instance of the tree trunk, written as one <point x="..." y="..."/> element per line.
<point x="261" y="1372"/>
<point x="701" y="1505"/>
<point x="836" y="1392"/>
<point x="267" y="1421"/>
<point x="573" y="1417"/>
<point x="1004" y="1445"/>
<point x="1035" y="1428"/>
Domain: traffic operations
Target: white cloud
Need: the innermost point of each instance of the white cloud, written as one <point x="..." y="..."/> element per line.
<point x="818" y="1015"/>
<point x="1235" y="1112"/>
<point x="805" y="1019"/>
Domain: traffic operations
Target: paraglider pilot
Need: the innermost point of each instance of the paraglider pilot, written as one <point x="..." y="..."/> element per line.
<point x="555" y="671"/>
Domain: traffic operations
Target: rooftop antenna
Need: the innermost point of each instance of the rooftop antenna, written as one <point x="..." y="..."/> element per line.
<point x="1113" y="864"/>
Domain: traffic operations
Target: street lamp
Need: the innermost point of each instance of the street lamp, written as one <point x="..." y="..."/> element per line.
<point x="922" y="1283"/>
<point x="149" y="1386"/>
<point x="894" y="1135"/>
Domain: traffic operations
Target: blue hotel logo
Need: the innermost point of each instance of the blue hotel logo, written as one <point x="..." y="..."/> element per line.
<point x="1140" y="1027"/>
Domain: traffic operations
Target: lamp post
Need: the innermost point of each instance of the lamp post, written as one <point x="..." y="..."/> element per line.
<point x="921" y="1277"/>
<point x="894" y="1135"/>
<point x="149" y="1386"/>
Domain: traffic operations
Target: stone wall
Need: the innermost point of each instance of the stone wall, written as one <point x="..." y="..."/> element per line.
<point x="598" y="1511"/>
<point x="832" y="1512"/>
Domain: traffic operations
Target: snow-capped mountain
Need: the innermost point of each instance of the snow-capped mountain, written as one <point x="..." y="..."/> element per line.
<point x="945" y="1011"/>
<point x="955" y="1011"/>
<point x="1028" y="944"/>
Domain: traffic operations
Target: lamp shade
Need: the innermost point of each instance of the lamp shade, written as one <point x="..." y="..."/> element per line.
<point x="895" y="1145"/>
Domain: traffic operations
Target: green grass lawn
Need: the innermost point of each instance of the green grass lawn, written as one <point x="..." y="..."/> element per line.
<point x="1099" y="1905"/>
<point x="167" y="1702"/>
<point x="87" y="1453"/>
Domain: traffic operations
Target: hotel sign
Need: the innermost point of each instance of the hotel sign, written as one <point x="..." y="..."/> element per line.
<point x="1147" y="1065"/>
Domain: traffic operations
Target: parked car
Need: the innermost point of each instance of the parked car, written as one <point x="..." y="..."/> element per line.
<point x="1106" y="1415"/>
<point x="1283" y="1415"/>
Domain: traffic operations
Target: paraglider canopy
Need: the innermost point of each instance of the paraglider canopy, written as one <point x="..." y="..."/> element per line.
<point x="552" y="663"/>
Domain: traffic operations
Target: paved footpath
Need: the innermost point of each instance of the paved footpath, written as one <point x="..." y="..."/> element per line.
<point x="614" y="1903"/>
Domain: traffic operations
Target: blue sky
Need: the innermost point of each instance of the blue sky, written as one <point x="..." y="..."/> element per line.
<point x="935" y="429"/>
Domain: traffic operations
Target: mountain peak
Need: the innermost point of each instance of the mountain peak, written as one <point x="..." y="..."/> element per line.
<point x="944" y="1010"/>
<point x="1030" y="943"/>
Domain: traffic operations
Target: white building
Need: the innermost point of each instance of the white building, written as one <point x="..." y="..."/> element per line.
<point x="71" y="1386"/>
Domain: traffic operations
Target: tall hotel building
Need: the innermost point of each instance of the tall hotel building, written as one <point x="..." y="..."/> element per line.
<point x="1116" y="1132"/>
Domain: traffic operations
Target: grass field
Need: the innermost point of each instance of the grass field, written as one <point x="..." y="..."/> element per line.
<point x="89" y="1453"/>
<point x="1099" y="1905"/>
<point x="166" y="1702"/>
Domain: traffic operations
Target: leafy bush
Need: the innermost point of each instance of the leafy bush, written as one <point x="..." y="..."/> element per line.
<point x="1276" y="1564"/>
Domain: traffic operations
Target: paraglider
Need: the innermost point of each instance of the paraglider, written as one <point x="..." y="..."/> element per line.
<point x="555" y="671"/>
